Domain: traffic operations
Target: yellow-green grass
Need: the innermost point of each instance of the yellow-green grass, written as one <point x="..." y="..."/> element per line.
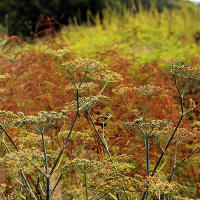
<point x="147" y="36"/>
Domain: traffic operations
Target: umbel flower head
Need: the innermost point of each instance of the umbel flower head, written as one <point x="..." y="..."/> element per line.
<point x="58" y="52"/>
<point x="85" y="165"/>
<point x="85" y="65"/>
<point x="109" y="76"/>
<point x="182" y="134"/>
<point x="99" y="70"/>
<point x="7" y="118"/>
<point x="85" y="103"/>
<point x="159" y="185"/>
<point x="121" y="89"/>
<point x="42" y="122"/>
<point x="84" y="87"/>
<point x="188" y="72"/>
<point x="147" y="129"/>
<point x="149" y="90"/>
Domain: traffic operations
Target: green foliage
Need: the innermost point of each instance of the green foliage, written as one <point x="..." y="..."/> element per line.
<point x="24" y="16"/>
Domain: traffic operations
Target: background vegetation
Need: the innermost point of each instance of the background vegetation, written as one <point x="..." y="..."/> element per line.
<point x="136" y="45"/>
<point x="28" y="18"/>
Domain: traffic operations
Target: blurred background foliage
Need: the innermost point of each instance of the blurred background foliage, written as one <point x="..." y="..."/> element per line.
<point x="26" y="18"/>
<point x="135" y="42"/>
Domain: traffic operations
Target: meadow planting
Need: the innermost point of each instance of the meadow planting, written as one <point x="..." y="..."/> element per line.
<point x="106" y="110"/>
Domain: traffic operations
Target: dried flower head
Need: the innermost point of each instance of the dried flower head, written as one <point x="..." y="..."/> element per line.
<point x="85" y="165"/>
<point x="58" y="52"/>
<point x="85" y="103"/>
<point x="7" y="118"/>
<point x="196" y="125"/>
<point x="84" y="87"/>
<point x="188" y="72"/>
<point x="101" y="118"/>
<point x="148" y="129"/>
<point x="85" y="65"/>
<point x="181" y="135"/>
<point x="159" y="185"/>
<point x="149" y="90"/>
<point x="42" y="122"/>
<point x="30" y="138"/>
<point x="109" y="76"/>
<point x="121" y="89"/>
<point x="21" y="160"/>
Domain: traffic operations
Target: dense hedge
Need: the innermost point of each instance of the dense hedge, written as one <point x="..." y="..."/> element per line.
<point x="23" y="15"/>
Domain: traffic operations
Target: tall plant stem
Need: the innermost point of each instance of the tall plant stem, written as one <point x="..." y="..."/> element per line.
<point x="13" y="143"/>
<point x="67" y="139"/>
<point x="86" y="190"/>
<point x="48" y="188"/>
<point x="73" y="123"/>
<point x="147" y="155"/>
<point x="174" y="167"/>
<point x="145" y="107"/>
<point x="130" y="107"/>
<point x="27" y="184"/>
<point x="46" y="167"/>
<point x="106" y="148"/>
<point x="172" y="135"/>
<point x="162" y="154"/>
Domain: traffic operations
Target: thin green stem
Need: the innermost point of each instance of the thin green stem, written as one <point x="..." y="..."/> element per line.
<point x="70" y="131"/>
<point x="48" y="189"/>
<point x="162" y="154"/>
<point x="190" y="154"/>
<point x="45" y="153"/>
<point x="27" y="184"/>
<point x="15" y="146"/>
<point x="180" y="95"/>
<point x="59" y="179"/>
<point x="145" y="107"/>
<point x="175" y="153"/>
<point x="147" y="155"/>
<point x="86" y="190"/>
<point x="106" y="148"/>
<point x="130" y="107"/>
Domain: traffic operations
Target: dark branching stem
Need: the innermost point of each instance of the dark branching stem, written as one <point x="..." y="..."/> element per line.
<point x="59" y="179"/>
<point x="173" y="170"/>
<point x="193" y="152"/>
<point x="147" y="155"/>
<point x="170" y="140"/>
<point x="27" y="184"/>
<point x="180" y="95"/>
<point x="145" y="107"/>
<point x="46" y="167"/>
<point x="86" y="190"/>
<point x="105" y="146"/>
<point x="65" y="144"/>
<point x="13" y="143"/>
<point x="68" y="136"/>
<point x="73" y="123"/>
